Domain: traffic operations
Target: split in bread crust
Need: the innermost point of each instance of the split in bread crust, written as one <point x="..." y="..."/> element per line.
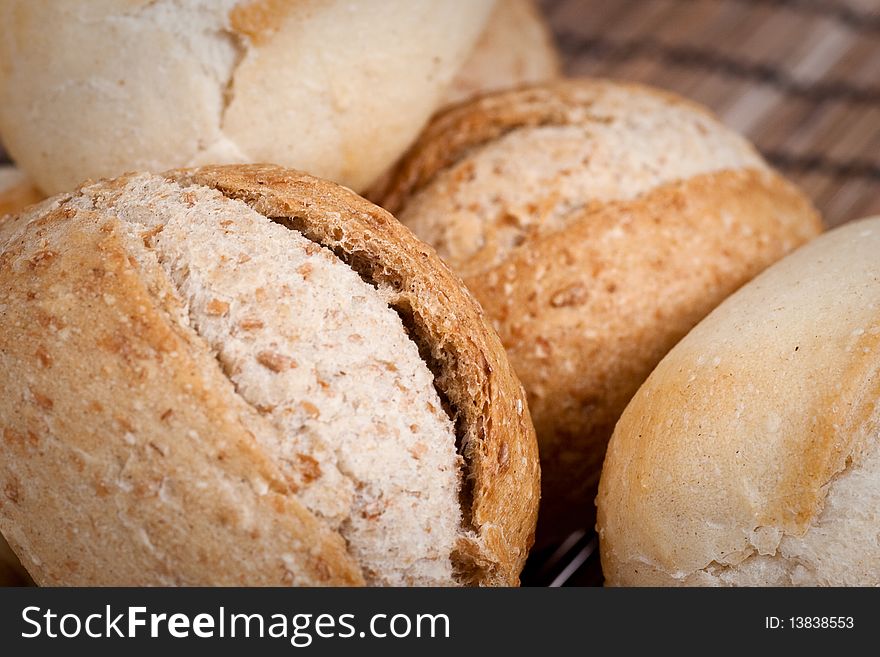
<point x="360" y="432"/>
<point x="188" y="317"/>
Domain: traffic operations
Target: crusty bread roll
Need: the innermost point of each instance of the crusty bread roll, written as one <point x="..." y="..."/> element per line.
<point x="16" y="191"/>
<point x="751" y="455"/>
<point x="597" y="223"/>
<point x="333" y="87"/>
<point x="515" y="49"/>
<point x="246" y="375"/>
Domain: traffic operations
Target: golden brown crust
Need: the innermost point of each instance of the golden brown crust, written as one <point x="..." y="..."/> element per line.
<point x="467" y="358"/>
<point x="454" y="132"/>
<point x="199" y="501"/>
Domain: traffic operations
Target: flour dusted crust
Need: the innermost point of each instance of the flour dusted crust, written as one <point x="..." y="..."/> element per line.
<point x="333" y="87"/>
<point x="596" y="222"/>
<point x="515" y="49"/>
<point x="202" y="488"/>
<point x="751" y="455"/>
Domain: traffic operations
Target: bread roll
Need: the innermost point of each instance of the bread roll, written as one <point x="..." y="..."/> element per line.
<point x="751" y="456"/>
<point x="337" y="88"/>
<point x="16" y="191"/>
<point x="246" y="375"/>
<point x="597" y="223"/>
<point x="515" y="49"/>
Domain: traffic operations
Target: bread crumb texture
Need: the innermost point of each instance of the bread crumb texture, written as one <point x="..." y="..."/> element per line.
<point x="751" y="455"/>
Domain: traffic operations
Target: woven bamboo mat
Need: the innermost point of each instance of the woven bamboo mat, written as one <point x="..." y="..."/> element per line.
<point x="800" y="78"/>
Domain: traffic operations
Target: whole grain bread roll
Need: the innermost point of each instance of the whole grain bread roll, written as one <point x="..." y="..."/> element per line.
<point x="336" y="88"/>
<point x="596" y="222"/>
<point x="751" y="455"/>
<point x="515" y="49"/>
<point x="246" y="375"/>
<point x="16" y="191"/>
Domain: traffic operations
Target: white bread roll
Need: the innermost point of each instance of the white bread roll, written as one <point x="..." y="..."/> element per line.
<point x="193" y="393"/>
<point x="596" y="222"/>
<point x="751" y="456"/>
<point x="16" y="191"/>
<point x="337" y="88"/>
<point x="515" y="49"/>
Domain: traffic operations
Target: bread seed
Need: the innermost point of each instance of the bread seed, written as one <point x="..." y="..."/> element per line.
<point x="573" y="295"/>
<point x="43" y="357"/>
<point x="309" y="468"/>
<point x="250" y="324"/>
<point x="275" y="361"/>
<point x="310" y="409"/>
<point x="216" y="307"/>
<point x="42" y="401"/>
